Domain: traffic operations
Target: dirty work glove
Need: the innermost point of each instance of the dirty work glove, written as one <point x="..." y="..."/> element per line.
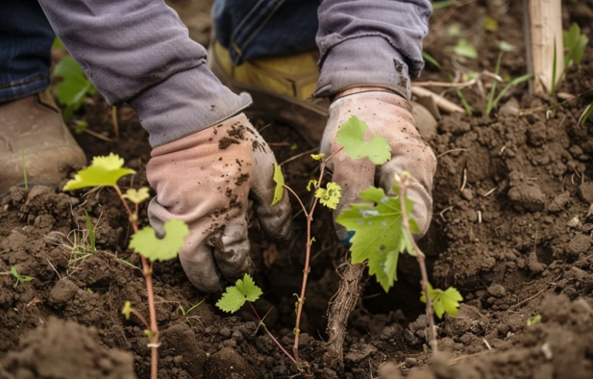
<point x="207" y="179"/>
<point x="390" y="116"/>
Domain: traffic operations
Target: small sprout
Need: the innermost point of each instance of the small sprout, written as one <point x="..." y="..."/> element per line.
<point x="443" y="301"/>
<point x="312" y="183"/>
<point x="91" y="229"/>
<point x="351" y="136"/>
<point x="80" y="126"/>
<point x="147" y="244"/>
<point x="279" y="180"/>
<point x="294" y="147"/>
<point x="104" y="171"/>
<point x="137" y="196"/>
<point x="127" y="310"/>
<point x="329" y="197"/>
<point x="235" y="296"/>
<point x="534" y="320"/>
<point x="19" y="278"/>
<point x="464" y="49"/>
<point x="89" y="290"/>
<point x="312" y="240"/>
<point x="317" y="157"/>
<point x="185" y="313"/>
<point x="454" y="30"/>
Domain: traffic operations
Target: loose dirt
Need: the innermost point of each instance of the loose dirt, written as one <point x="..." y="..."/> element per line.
<point x="511" y="230"/>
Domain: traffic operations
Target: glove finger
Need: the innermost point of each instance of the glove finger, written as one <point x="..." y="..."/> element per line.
<point x="195" y="256"/>
<point x="353" y="176"/>
<point x="276" y="220"/>
<point x="230" y="243"/>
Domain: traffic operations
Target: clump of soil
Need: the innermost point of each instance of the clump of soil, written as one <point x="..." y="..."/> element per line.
<point x="64" y="350"/>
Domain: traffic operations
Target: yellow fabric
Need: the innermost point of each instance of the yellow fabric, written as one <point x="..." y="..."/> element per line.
<point x="294" y="75"/>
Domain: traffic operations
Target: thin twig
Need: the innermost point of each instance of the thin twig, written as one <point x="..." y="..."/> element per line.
<point x="404" y="182"/>
<point x="261" y="323"/>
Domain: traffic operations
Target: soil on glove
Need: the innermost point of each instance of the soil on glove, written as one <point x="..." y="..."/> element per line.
<point x="511" y="231"/>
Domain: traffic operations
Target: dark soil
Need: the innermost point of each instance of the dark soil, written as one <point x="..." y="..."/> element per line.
<point x="511" y="230"/>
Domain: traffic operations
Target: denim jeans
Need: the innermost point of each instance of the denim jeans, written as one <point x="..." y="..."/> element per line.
<point x="258" y="28"/>
<point x="25" y="42"/>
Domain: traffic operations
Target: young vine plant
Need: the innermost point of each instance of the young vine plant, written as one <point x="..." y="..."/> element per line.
<point x="106" y="172"/>
<point x="380" y="230"/>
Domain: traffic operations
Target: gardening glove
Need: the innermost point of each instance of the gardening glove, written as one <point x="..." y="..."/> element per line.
<point x="388" y="115"/>
<point x="208" y="179"/>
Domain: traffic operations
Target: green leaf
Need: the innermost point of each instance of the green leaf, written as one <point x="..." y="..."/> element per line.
<point x="104" y="171"/>
<point x="317" y="157"/>
<point x="329" y="196"/>
<point x="312" y="184"/>
<point x="443" y="301"/>
<point x="378" y="237"/>
<point x="147" y="244"/>
<point x="137" y="196"/>
<point x="235" y="296"/>
<point x="279" y="180"/>
<point x="351" y="136"/>
<point x="464" y="49"/>
<point x="490" y="24"/>
<point x="586" y="114"/>
<point x="454" y="30"/>
<point x="74" y="87"/>
<point x="19" y="278"/>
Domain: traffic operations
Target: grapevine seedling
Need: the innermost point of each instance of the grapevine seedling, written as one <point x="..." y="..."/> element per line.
<point x="351" y="138"/>
<point x="383" y="230"/>
<point x="106" y="171"/>
<point x="19" y="278"/>
<point x="246" y="291"/>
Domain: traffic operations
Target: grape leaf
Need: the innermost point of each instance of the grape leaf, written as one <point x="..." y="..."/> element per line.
<point x="104" y="171"/>
<point x="443" y="301"/>
<point x="279" y="180"/>
<point x="235" y="296"/>
<point x="329" y="196"/>
<point x="74" y="87"/>
<point x="351" y="136"/>
<point x="147" y="244"/>
<point x="379" y="236"/>
<point x="137" y="196"/>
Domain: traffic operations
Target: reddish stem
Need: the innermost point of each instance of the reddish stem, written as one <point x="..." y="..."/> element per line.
<point x="147" y="271"/>
<point x="270" y="334"/>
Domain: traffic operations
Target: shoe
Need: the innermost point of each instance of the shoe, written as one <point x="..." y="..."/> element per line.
<point x="33" y="134"/>
<point x="281" y="88"/>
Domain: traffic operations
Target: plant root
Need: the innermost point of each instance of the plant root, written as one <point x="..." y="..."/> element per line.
<point x="339" y="311"/>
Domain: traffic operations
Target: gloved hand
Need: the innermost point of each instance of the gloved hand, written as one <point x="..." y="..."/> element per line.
<point x="390" y="116"/>
<point x="207" y="179"/>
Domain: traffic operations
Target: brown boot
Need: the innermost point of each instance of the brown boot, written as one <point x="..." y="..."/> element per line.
<point x="32" y="129"/>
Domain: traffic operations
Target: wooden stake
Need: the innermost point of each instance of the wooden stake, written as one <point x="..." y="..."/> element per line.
<point x="543" y="26"/>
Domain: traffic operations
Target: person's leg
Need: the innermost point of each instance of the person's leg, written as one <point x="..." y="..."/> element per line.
<point x="25" y="44"/>
<point x="31" y="126"/>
